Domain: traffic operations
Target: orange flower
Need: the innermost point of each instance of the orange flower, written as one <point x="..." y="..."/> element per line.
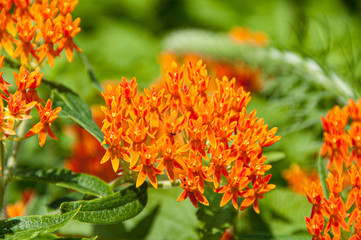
<point x="245" y="36"/>
<point x="5" y="127"/>
<point x="336" y="212"/>
<point x="315" y="227"/>
<point x="69" y="29"/>
<point x="148" y="156"/>
<point x="24" y="47"/>
<point x="174" y="84"/>
<point x="18" y="109"/>
<point x="297" y="178"/>
<point x="5" y="39"/>
<point x="354" y="110"/>
<point x="184" y="127"/>
<point x="28" y="82"/>
<point x="198" y="136"/>
<point x="237" y="181"/>
<point x="314" y="195"/>
<point x="47" y="116"/>
<point x="136" y="135"/>
<point x="67" y="6"/>
<point x="195" y="168"/>
<point x="171" y="159"/>
<point x="260" y="187"/>
<point x="155" y="99"/>
<point x="3" y="84"/>
<point x="221" y="159"/>
<point x="19" y="208"/>
<point x="51" y="33"/>
<point x="190" y="185"/>
<point x="115" y="151"/>
<point x="355" y="136"/>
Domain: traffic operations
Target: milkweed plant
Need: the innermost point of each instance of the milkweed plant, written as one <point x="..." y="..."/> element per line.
<point x="192" y="129"/>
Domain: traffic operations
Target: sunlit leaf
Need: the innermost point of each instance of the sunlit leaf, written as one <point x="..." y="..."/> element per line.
<point x="48" y="236"/>
<point x="66" y="178"/>
<point x="115" y="208"/>
<point x="29" y="226"/>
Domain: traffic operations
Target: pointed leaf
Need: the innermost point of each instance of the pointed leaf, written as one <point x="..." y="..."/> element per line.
<point x="66" y="178"/>
<point x="73" y="107"/>
<point x="115" y="208"/>
<point x="90" y="70"/>
<point x="29" y="226"/>
<point x="322" y="173"/>
<point x="48" y="236"/>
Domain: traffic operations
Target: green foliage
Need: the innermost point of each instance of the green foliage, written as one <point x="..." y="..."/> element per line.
<point x="214" y="220"/>
<point x="74" y="108"/>
<point x="322" y="172"/>
<point x="115" y="208"/>
<point x="23" y="228"/>
<point x="284" y="212"/>
<point x="65" y="178"/>
<point x="271" y="60"/>
<point x="48" y="236"/>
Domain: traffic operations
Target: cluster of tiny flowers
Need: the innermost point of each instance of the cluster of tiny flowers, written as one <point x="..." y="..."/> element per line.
<point x="342" y="148"/>
<point x="17" y="106"/>
<point x="194" y="136"/>
<point x="38" y="30"/>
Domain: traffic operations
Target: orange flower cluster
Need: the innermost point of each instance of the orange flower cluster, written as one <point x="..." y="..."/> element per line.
<point x="297" y="178"/>
<point x="87" y="151"/>
<point x="19" y="105"/>
<point x="19" y="208"/>
<point x="191" y="135"/>
<point x="245" y="36"/>
<point x="248" y="78"/>
<point x="342" y="148"/>
<point x="38" y="30"/>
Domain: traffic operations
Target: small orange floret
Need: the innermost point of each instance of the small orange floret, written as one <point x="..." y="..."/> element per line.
<point x="190" y="185"/>
<point x="47" y="116"/>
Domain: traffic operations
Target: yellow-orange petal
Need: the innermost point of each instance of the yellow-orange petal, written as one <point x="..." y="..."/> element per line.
<point x="226" y="197"/>
<point x="141" y="177"/>
<point x="182" y="196"/>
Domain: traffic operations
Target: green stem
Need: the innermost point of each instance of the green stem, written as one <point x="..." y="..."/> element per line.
<point x="2" y="185"/>
<point x="13" y="154"/>
<point x="6" y="171"/>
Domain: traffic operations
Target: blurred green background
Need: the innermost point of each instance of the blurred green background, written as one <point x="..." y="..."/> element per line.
<point x="124" y="38"/>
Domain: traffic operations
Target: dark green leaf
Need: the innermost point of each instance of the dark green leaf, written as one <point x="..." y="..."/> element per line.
<point x="48" y="236"/>
<point x="73" y="107"/>
<point x="66" y="178"/>
<point x="90" y="70"/>
<point x="115" y="208"/>
<point x="322" y="173"/>
<point x="214" y="220"/>
<point x="29" y="226"/>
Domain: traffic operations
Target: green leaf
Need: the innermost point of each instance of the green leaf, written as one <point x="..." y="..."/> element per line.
<point x="214" y="220"/>
<point x="73" y="107"/>
<point x="115" y="208"/>
<point x="322" y="173"/>
<point x="284" y="212"/>
<point x="48" y="236"/>
<point x="29" y="226"/>
<point x="65" y="178"/>
<point x="274" y="156"/>
<point x="91" y="72"/>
